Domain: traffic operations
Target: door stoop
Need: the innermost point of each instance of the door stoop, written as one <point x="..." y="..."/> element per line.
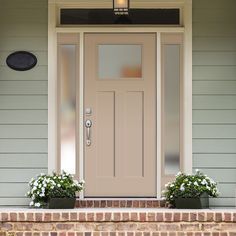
<point x="120" y="203"/>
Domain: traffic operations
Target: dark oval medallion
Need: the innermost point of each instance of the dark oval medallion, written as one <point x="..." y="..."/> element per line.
<point x="21" y="60"/>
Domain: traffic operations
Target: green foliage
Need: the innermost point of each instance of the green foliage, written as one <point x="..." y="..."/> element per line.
<point x="44" y="187"/>
<point x="190" y="186"/>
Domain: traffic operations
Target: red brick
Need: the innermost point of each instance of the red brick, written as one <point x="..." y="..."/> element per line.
<point x="109" y="203"/>
<point x="71" y="233"/>
<point x="185" y="216"/>
<point x="21" y="216"/>
<point x="159" y="217"/>
<point x="190" y="227"/>
<point x="103" y="203"/>
<point x="134" y="216"/>
<point x="151" y="216"/>
<point x="90" y="216"/>
<point x="47" y="216"/>
<point x="73" y="216"/>
<point x="64" y="226"/>
<point x="107" y="216"/>
<point x="227" y="217"/>
<point x="215" y="234"/>
<point x="79" y="233"/>
<point x="156" y="204"/>
<point x="142" y="204"/>
<point x="177" y="217"/>
<point x="136" y="203"/>
<point x="123" y="203"/>
<point x="116" y="203"/>
<point x="62" y="233"/>
<point x="116" y="216"/>
<point x="210" y="216"/>
<point x="218" y="217"/>
<point x="56" y="216"/>
<point x="13" y="216"/>
<point x="99" y="216"/>
<point x="129" y="203"/>
<point x="130" y="233"/>
<point x="168" y="216"/>
<point x="4" y="217"/>
<point x="149" y="204"/>
<point x="65" y="216"/>
<point x="6" y="226"/>
<point x="82" y="217"/>
<point x="89" y="203"/>
<point x="201" y="216"/>
<point x="142" y="217"/>
<point x="169" y="227"/>
<point x="38" y="216"/>
<point x="125" y="216"/>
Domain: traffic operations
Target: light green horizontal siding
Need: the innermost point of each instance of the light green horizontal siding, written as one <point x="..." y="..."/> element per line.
<point x="38" y="73"/>
<point x="214" y="95"/>
<point x="214" y="102"/>
<point x="214" y="58"/>
<point x="28" y="102"/>
<point x="14" y="201"/>
<point x="23" y="146"/>
<point x="23" y="131"/>
<point x="213" y="131"/>
<point x="19" y="175"/>
<point x="207" y="72"/>
<point x="23" y="99"/>
<point x="23" y="117"/>
<point x="26" y="160"/>
<point x="23" y="87"/>
<point x="214" y="116"/>
<point x="217" y="160"/>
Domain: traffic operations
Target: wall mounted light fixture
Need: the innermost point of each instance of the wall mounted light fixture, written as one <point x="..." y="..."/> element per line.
<point x="121" y="7"/>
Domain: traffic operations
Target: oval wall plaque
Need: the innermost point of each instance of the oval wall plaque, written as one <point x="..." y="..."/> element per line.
<point x="21" y="60"/>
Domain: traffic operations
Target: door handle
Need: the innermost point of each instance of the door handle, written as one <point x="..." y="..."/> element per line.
<point x="88" y="125"/>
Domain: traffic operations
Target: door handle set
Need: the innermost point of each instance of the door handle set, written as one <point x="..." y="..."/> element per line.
<point x="88" y="125"/>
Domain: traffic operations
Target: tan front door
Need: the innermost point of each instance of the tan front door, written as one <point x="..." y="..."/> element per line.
<point x="120" y="101"/>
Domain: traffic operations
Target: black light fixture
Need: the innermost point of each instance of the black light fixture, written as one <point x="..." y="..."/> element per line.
<point x="121" y="7"/>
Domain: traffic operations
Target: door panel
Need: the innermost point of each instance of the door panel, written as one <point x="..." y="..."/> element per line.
<point x="121" y="160"/>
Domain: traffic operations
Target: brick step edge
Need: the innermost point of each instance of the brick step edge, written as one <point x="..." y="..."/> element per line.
<point x="120" y="203"/>
<point x="74" y="215"/>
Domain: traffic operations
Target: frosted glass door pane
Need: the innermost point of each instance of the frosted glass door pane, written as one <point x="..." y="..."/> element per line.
<point x="119" y="61"/>
<point x="172" y="109"/>
<point x="67" y="69"/>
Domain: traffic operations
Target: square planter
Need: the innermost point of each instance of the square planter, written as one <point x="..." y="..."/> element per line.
<point x="61" y="203"/>
<point x="201" y="202"/>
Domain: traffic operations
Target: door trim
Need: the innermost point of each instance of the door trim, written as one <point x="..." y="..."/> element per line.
<point x="187" y="81"/>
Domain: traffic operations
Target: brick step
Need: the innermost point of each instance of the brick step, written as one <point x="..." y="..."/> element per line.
<point x="120" y="203"/>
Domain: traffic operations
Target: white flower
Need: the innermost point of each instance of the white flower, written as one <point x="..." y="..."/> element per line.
<point x="179" y="173"/>
<point x="58" y="185"/>
<point x="31" y="203"/>
<point x="36" y="183"/>
<point x="37" y="204"/>
<point x="182" y="188"/>
<point x="195" y="183"/>
<point x="204" y="182"/>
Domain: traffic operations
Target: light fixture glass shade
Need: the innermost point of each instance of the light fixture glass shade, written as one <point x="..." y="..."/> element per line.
<point x="121" y="6"/>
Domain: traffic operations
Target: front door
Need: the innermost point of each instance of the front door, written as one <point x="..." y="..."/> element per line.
<point x="120" y="115"/>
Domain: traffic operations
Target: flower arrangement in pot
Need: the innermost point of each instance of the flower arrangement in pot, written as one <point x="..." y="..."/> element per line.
<point x="56" y="191"/>
<point x="190" y="191"/>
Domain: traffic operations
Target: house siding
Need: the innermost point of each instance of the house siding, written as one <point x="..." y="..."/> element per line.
<point x="214" y="94"/>
<point x="23" y="99"/>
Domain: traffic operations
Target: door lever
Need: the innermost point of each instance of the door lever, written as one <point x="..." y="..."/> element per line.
<point x="88" y="125"/>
